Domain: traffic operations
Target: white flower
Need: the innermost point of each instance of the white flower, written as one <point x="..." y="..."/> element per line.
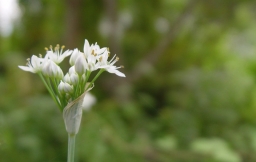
<point x="65" y="88"/>
<point x="91" y="61"/>
<point x="67" y="78"/>
<point x="109" y="65"/>
<point x="34" y="64"/>
<point x="74" y="56"/>
<point x="74" y="78"/>
<point x="72" y="70"/>
<point x="90" y="55"/>
<point x="50" y="69"/>
<point x="57" y="56"/>
<point x="97" y="50"/>
<point x="87" y="48"/>
<point x="113" y="69"/>
<point x="80" y="65"/>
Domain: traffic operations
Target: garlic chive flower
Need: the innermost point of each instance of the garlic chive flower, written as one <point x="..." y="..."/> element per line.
<point x="56" y="55"/>
<point x="81" y="65"/>
<point x="52" y="70"/>
<point x="34" y="65"/>
<point x="103" y="63"/>
<point x="66" y="88"/>
<point x="74" y="56"/>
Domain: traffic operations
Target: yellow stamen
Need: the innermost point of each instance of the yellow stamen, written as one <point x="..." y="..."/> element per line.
<point x="117" y="58"/>
<point x="50" y="46"/>
<point x="57" y="47"/>
<point x="28" y="60"/>
<point x="46" y="48"/>
<point x="40" y="55"/>
<point x="63" y="47"/>
<point x="121" y="66"/>
<point x="100" y="59"/>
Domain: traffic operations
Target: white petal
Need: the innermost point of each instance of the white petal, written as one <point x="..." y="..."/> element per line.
<point x="74" y="78"/>
<point x="101" y="50"/>
<point x="59" y="74"/>
<point x="72" y="70"/>
<point x="51" y="69"/>
<point x="113" y="69"/>
<point x="61" y="87"/>
<point x="26" y="68"/>
<point x="36" y="63"/>
<point x="86" y="48"/>
<point x="118" y="73"/>
<point x="67" y="78"/>
<point x="73" y="57"/>
<point x="80" y="65"/>
<point x="67" y="53"/>
<point x="64" y="55"/>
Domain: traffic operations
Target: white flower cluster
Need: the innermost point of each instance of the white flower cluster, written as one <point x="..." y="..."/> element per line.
<point x="68" y="87"/>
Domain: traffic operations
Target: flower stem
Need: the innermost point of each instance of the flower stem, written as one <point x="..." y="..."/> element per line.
<point x="97" y="75"/>
<point x="71" y="147"/>
<point x="50" y="91"/>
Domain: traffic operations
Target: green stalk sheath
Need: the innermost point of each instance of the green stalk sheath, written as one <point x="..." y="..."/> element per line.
<point x="71" y="147"/>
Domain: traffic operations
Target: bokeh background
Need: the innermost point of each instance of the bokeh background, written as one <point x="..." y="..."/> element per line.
<point x="189" y="94"/>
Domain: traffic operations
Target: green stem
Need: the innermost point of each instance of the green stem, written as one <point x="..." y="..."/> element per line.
<point x="76" y="88"/>
<point x="71" y="147"/>
<point x="50" y="91"/>
<point x="88" y="73"/>
<point x="98" y="74"/>
<point x="55" y="86"/>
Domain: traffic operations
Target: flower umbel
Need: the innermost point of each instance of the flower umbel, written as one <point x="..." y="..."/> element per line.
<point x="68" y="91"/>
<point x="82" y="64"/>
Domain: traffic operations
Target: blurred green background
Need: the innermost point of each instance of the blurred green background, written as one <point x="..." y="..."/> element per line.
<point x="188" y="96"/>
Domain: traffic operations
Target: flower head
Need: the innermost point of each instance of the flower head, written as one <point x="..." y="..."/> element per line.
<point x="77" y="81"/>
<point x="69" y="91"/>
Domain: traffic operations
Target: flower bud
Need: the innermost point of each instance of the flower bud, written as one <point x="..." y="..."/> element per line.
<point x="67" y="78"/>
<point x="72" y="70"/>
<point x="74" y="78"/>
<point x="50" y="69"/>
<point x="80" y="65"/>
<point x="74" y="56"/>
<point x="87" y="48"/>
<point x="65" y="88"/>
